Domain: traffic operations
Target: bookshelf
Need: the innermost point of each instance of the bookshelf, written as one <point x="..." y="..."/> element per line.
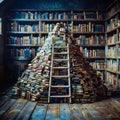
<point x="112" y="45"/>
<point x="89" y="33"/>
<point x="26" y="30"/>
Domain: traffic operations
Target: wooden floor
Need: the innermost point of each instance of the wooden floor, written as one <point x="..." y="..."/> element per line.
<point x="20" y="109"/>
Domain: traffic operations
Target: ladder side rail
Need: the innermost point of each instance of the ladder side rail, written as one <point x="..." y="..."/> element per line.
<point x="49" y="93"/>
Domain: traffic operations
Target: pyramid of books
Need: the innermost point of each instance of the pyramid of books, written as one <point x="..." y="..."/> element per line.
<point x="33" y="84"/>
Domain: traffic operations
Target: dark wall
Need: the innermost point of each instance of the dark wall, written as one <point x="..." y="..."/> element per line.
<point x="55" y="4"/>
<point x="1" y="50"/>
<point x="1" y="60"/>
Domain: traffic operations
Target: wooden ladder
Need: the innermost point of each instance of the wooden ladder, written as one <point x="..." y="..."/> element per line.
<point x="60" y="83"/>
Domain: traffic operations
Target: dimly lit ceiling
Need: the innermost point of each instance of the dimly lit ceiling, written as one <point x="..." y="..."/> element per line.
<point x="54" y="4"/>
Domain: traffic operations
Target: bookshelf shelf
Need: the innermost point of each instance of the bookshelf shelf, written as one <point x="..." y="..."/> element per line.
<point x="111" y="44"/>
<point x="96" y="57"/>
<point x="87" y="20"/>
<point x="13" y="45"/>
<point x="94" y="45"/>
<point x="112" y="57"/>
<point x="112" y="47"/>
<point x="111" y="71"/>
<point x="110" y="6"/>
<point x="112" y="30"/>
<point x="14" y="32"/>
<point x="118" y="73"/>
<point x="118" y="42"/>
<point x="56" y="20"/>
<point x="112" y="15"/>
<point x="88" y="32"/>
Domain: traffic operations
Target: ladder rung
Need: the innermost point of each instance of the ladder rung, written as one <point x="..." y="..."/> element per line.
<point x="60" y="47"/>
<point x="60" y="59"/>
<point x="65" y="86"/>
<point x="60" y="96"/>
<point x="60" y="67"/>
<point x="61" y="53"/>
<point x="60" y="76"/>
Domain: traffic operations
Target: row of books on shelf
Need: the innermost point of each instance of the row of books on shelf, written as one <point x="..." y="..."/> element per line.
<point x="45" y="27"/>
<point x="114" y="22"/>
<point x="21" y="53"/>
<point x="113" y="51"/>
<point x="15" y="26"/>
<point x="57" y="15"/>
<point x="26" y="40"/>
<point x="48" y="27"/>
<point x="111" y="79"/>
<point x="98" y="64"/>
<point x="112" y="39"/>
<point x="112" y="65"/>
<point x="93" y="53"/>
<point x="88" y="27"/>
<point x="90" y="40"/>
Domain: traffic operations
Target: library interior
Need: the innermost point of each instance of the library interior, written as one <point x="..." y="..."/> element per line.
<point x="60" y="60"/>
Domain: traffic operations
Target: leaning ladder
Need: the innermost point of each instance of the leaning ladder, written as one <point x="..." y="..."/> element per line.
<point x="55" y="61"/>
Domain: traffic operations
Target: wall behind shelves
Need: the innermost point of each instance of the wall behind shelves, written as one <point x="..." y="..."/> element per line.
<point x="1" y="60"/>
<point x="54" y="4"/>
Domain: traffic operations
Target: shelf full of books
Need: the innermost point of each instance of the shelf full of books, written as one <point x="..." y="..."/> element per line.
<point x="55" y="14"/>
<point x="112" y="51"/>
<point x="27" y="29"/>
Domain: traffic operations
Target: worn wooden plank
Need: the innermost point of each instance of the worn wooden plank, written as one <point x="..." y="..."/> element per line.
<point x="101" y="111"/>
<point x="40" y="112"/>
<point x="26" y="111"/>
<point x="14" y="110"/>
<point x="116" y="101"/>
<point x="53" y="112"/>
<point x="111" y="114"/>
<point x="93" y="112"/>
<point x="3" y="99"/>
<point x="6" y="106"/>
<point x="65" y="113"/>
<point x="84" y="110"/>
<point x="76" y="113"/>
<point x="115" y="106"/>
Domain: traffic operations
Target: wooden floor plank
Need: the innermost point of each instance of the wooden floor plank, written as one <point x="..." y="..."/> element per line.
<point x="76" y="113"/>
<point x="3" y="99"/>
<point x="116" y="107"/>
<point x="19" y="109"/>
<point x="93" y="112"/>
<point x="103" y="111"/>
<point x="111" y="110"/>
<point x="26" y="111"/>
<point x="14" y="110"/>
<point x="53" y="111"/>
<point x="40" y="112"/>
<point x="6" y="106"/>
<point x="108" y="112"/>
<point x="85" y="112"/>
<point x="65" y="112"/>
